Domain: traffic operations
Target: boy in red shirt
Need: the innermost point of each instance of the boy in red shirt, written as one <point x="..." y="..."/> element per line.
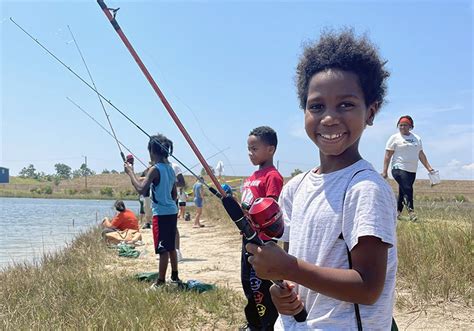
<point x="260" y="312"/>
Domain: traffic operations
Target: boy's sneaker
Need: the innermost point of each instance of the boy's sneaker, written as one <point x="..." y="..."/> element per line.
<point x="174" y="277"/>
<point x="245" y="327"/>
<point x="157" y="285"/>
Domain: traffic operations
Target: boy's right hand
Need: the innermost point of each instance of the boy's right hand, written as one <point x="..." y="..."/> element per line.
<point x="286" y="300"/>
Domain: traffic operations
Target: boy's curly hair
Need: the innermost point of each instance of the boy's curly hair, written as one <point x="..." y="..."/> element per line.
<point x="265" y="134"/>
<point x="160" y="145"/>
<point x="345" y="51"/>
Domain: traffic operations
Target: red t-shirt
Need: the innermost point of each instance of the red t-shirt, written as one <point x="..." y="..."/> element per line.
<point x="125" y="220"/>
<point x="262" y="183"/>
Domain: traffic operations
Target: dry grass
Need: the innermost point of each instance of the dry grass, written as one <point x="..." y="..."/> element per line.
<point x="448" y="190"/>
<point x="435" y="256"/>
<point x="72" y="290"/>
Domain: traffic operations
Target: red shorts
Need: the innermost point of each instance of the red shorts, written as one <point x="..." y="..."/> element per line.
<point x="164" y="232"/>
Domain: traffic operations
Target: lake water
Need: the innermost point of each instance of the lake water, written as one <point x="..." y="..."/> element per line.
<point x="31" y="227"/>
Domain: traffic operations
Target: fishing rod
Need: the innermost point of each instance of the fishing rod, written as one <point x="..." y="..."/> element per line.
<point x="232" y="207"/>
<point x="128" y="150"/>
<point x="210" y="157"/>
<point x="100" y="100"/>
<point x="166" y="104"/>
<point x="103" y="128"/>
<point x="108" y="101"/>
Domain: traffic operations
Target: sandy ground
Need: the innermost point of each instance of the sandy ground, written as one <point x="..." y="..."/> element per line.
<point x="212" y="255"/>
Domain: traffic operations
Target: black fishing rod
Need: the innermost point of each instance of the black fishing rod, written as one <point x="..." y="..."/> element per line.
<point x="108" y="101"/>
<point x="108" y="132"/>
<point x="128" y="150"/>
<point x="98" y="97"/>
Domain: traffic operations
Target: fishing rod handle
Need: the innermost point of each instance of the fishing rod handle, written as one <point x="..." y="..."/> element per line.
<point x="237" y="215"/>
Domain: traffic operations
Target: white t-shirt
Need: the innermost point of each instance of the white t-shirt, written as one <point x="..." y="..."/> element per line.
<point x="177" y="170"/>
<point x="406" y="151"/>
<point x="315" y="213"/>
<point x="182" y="196"/>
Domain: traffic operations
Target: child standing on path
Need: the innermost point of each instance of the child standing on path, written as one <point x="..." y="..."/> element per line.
<point x="340" y="217"/>
<point x="162" y="180"/>
<point x="182" y="197"/>
<point x="260" y="312"/>
<point x="198" y="202"/>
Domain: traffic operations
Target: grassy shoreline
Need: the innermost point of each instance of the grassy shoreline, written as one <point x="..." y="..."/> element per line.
<point x="58" y="195"/>
<point x="71" y="289"/>
<point x="435" y="269"/>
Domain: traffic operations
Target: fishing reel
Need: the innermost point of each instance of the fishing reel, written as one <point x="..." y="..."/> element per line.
<point x="130" y="159"/>
<point x="265" y="217"/>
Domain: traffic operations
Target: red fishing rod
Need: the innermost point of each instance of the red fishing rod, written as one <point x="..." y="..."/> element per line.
<point x="230" y="204"/>
<point x="160" y="94"/>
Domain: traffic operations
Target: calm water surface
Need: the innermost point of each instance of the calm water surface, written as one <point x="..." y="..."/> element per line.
<point x="31" y="227"/>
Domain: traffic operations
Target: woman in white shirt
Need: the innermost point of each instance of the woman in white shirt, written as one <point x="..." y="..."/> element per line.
<point x="405" y="149"/>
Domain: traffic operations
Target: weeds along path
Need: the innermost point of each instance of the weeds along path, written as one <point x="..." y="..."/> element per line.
<point x="210" y="254"/>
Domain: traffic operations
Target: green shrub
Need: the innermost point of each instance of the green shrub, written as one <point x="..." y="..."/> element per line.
<point x="47" y="190"/>
<point x="460" y="198"/>
<point x="72" y="191"/>
<point x="36" y="190"/>
<point x="127" y="193"/>
<point x="107" y="191"/>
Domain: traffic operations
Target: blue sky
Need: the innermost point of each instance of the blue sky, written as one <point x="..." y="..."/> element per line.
<point x="225" y="67"/>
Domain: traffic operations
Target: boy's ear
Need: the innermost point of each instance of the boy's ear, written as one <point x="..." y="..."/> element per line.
<point x="371" y="111"/>
<point x="271" y="149"/>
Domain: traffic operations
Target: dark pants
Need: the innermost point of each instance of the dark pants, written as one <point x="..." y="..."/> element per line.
<point x="260" y="312"/>
<point x="405" y="182"/>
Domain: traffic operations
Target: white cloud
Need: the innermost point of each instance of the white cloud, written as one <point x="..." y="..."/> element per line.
<point x="455" y="169"/>
<point x="468" y="167"/>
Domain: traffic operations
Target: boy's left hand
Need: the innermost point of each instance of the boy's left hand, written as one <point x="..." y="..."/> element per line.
<point x="270" y="261"/>
<point x="128" y="168"/>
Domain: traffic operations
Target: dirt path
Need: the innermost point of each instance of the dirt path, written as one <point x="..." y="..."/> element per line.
<point x="212" y="255"/>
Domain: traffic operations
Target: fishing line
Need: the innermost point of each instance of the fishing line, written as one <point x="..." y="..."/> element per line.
<point x="196" y="118"/>
<point x="218" y="152"/>
<point x="98" y="97"/>
<point x="108" y="101"/>
<point x="111" y="17"/>
<point x="103" y="128"/>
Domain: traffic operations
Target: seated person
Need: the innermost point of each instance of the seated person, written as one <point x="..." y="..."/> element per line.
<point x="125" y="219"/>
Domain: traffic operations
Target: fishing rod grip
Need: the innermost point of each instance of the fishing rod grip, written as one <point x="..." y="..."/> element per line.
<point x="237" y="215"/>
<point x="215" y="192"/>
